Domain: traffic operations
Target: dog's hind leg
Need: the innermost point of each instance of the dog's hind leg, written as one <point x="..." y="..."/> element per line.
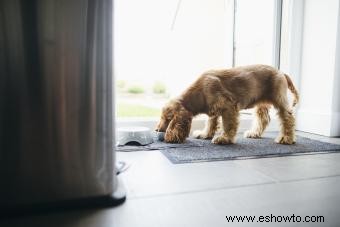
<point x="230" y="122"/>
<point x="260" y="121"/>
<point x="209" y="131"/>
<point x="287" y="120"/>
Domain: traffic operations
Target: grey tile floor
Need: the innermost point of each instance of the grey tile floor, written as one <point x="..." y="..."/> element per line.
<point x="162" y="194"/>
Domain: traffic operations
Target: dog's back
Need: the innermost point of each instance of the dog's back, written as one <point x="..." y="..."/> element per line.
<point x="249" y="85"/>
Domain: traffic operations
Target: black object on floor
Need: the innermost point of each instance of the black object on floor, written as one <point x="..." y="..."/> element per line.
<point x="195" y="150"/>
<point x="160" y="145"/>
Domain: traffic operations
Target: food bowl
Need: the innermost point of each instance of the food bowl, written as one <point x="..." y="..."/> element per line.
<point x="134" y="136"/>
<point x="160" y="135"/>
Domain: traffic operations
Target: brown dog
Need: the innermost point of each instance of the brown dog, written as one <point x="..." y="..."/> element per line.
<point x="224" y="93"/>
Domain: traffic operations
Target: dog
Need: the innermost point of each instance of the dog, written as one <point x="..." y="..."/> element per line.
<point x="224" y="93"/>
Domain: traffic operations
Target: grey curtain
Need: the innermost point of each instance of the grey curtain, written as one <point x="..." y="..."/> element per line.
<point x="55" y="100"/>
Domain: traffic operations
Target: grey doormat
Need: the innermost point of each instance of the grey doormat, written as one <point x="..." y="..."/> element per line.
<point x="195" y="150"/>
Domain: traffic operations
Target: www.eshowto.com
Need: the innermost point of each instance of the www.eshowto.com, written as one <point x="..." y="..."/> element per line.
<point x="276" y="218"/>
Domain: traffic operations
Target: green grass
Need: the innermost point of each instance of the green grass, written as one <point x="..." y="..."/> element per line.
<point x="135" y="89"/>
<point x="131" y="110"/>
<point x="159" y="88"/>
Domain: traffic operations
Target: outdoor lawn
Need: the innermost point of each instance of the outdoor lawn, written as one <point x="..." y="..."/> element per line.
<point x="138" y="100"/>
<point x="135" y="110"/>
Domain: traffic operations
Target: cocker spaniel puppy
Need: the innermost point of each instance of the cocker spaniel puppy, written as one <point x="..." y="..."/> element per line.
<point x="224" y="93"/>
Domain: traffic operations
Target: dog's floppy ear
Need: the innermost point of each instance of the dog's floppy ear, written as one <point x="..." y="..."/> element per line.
<point x="179" y="127"/>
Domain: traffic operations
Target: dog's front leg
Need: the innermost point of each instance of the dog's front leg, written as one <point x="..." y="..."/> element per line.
<point x="209" y="131"/>
<point x="230" y="122"/>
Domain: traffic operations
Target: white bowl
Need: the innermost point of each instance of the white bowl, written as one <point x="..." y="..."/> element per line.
<point x="140" y="135"/>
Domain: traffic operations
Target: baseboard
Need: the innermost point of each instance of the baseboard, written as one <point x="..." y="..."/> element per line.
<point x="326" y="124"/>
<point x="335" y="128"/>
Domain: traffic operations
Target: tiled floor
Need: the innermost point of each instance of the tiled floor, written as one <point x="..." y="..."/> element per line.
<point x="162" y="194"/>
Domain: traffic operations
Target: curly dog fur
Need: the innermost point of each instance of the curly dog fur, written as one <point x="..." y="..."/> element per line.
<point x="224" y="93"/>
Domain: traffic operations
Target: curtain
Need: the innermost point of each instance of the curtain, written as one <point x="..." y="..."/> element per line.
<point x="56" y="111"/>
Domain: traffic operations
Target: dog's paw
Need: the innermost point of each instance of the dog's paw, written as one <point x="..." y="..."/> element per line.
<point x="173" y="140"/>
<point x="252" y="134"/>
<point x="169" y="138"/>
<point x="223" y="140"/>
<point x="285" y="140"/>
<point x="198" y="134"/>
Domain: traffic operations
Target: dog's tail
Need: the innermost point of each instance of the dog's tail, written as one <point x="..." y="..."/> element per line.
<point x="292" y="89"/>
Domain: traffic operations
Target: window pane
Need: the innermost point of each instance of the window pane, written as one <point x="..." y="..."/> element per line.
<point x="161" y="46"/>
<point x="254" y="32"/>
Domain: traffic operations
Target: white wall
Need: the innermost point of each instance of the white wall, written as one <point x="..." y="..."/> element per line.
<point x="319" y="78"/>
<point x="335" y="128"/>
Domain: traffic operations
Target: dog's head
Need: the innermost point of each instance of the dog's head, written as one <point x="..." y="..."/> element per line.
<point x="175" y="122"/>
